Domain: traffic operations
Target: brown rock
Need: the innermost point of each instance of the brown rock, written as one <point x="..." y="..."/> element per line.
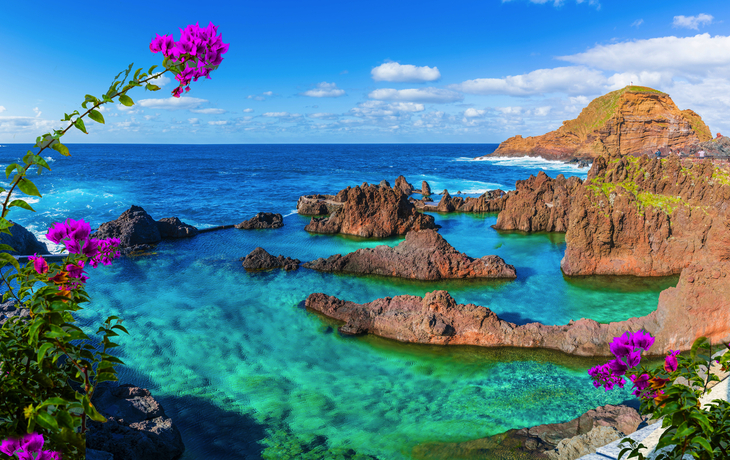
<point x="317" y="205"/>
<point x="425" y="189"/>
<point x="172" y="227"/>
<point x="133" y="227"/>
<point x="631" y="121"/>
<point x="262" y="220"/>
<point x="259" y="259"/>
<point x="373" y="211"/>
<point x="490" y="201"/>
<point x="424" y="255"/>
<point x="402" y="184"/>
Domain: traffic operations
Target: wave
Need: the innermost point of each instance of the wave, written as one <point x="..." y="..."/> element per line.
<point x="49" y="159"/>
<point x="291" y="213"/>
<point x="527" y="162"/>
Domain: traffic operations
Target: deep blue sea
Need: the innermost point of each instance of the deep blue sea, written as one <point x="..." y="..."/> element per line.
<point x="246" y="372"/>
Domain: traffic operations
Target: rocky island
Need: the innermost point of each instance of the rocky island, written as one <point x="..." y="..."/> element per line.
<point x="634" y="120"/>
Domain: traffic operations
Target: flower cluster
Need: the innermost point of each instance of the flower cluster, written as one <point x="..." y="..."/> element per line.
<point x="75" y="235"/>
<point x="28" y="447"/>
<point x="200" y="49"/>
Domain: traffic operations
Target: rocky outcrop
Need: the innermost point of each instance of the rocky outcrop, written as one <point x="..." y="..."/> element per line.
<point x="317" y="205"/>
<point x="424" y="255"/>
<point x="23" y="241"/>
<point x="539" y="204"/>
<point x="698" y="306"/>
<point x="719" y="148"/>
<point x="563" y="441"/>
<point x="259" y="259"/>
<point x="402" y="184"/>
<point x="372" y="211"/>
<point x="172" y="227"/>
<point x="645" y="217"/>
<point x="490" y="201"/>
<point x="634" y="120"/>
<point x="262" y="220"/>
<point x="10" y="309"/>
<point x="136" y="427"/>
<point x="425" y="189"/>
<point x="133" y="227"/>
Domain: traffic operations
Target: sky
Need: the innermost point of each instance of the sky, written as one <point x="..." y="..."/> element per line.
<point x="360" y="71"/>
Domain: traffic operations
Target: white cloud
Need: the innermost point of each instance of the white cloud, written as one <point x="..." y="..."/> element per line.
<point x="385" y="111"/>
<point x="209" y="111"/>
<point x="276" y="114"/>
<point x="194" y="121"/>
<point x="428" y="95"/>
<point x="644" y="78"/>
<point x="322" y="116"/>
<point x="325" y="89"/>
<point x="247" y="110"/>
<point x="260" y="97"/>
<point x="558" y="3"/>
<point x="687" y="55"/>
<point x="542" y="111"/>
<point x="692" y="22"/>
<point x="2" y="109"/>
<point x="128" y="110"/>
<point x="268" y="93"/>
<point x="637" y="23"/>
<point x="393" y="71"/>
<point x="510" y="110"/>
<point x="37" y="112"/>
<point x="474" y="113"/>
<point x="160" y="80"/>
<point x="571" y="80"/>
<point x="172" y="103"/>
<point x="220" y="122"/>
<point x="17" y="125"/>
<point x="406" y="107"/>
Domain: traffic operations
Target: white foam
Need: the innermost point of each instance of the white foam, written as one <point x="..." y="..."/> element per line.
<point x="291" y="213"/>
<point x="528" y="162"/>
<point x="49" y="159"/>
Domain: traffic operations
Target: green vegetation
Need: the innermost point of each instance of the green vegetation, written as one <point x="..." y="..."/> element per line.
<point x="698" y="126"/>
<point x="721" y="176"/>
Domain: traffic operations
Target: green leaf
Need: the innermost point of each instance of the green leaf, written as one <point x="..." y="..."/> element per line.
<point x="91" y="410"/>
<point x="106" y="377"/>
<point x="10" y="168"/>
<point x="120" y="327"/>
<point x="152" y="87"/>
<point x="42" y="351"/>
<point x="47" y="421"/>
<point x="20" y="204"/>
<point x="151" y="69"/>
<point x="60" y="148"/>
<point x="684" y="430"/>
<point x="96" y="116"/>
<point x="28" y="187"/>
<point x="126" y="100"/>
<point x="136" y="74"/>
<point x="7" y="258"/>
<point x="55" y="401"/>
<point x="39" y="160"/>
<point x="703" y="442"/>
<point x="79" y="123"/>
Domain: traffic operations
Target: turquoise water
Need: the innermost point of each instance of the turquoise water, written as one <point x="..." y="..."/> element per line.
<point x="245" y="371"/>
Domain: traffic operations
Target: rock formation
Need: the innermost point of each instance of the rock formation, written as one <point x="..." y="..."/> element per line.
<point x="563" y="441"/>
<point x="719" y="147"/>
<point x="539" y="204"/>
<point x="402" y="184"/>
<point x="133" y="227"/>
<point x="424" y="255"/>
<point x="136" y="427"/>
<point x="317" y="205"/>
<point x="372" y="211"/>
<point x="262" y="220"/>
<point x="490" y="201"/>
<point x="425" y="189"/>
<point x="172" y="227"/>
<point x="259" y="259"/>
<point x="630" y="121"/>
<point x="23" y="241"/>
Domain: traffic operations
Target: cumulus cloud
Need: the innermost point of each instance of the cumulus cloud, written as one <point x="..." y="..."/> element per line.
<point x="474" y="113"/>
<point x="692" y="22"/>
<point x="510" y="110"/>
<point x="571" y="80"/>
<point x="160" y="80"/>
<point x="386" y="111"/>
<point x="247" y="110"/>
<point x="260" y="97"/>
<point x="686" y="55"/>
<point x="172" y="103"/>
<point x="281" y="115"/>
<point x="218" y="123"/>
<point x="322" y="116"/>
<point x="209" y="111"/>
<point x="2" y="109"/>
<point x="427" y="95"/>
<point x="194" y="121"/>
<point x="393" y="71"/>
<point x="325" y="89"/>
<point x="542" y="111"/>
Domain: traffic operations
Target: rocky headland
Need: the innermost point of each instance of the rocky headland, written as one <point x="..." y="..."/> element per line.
<point x="260" y="259"/>
<point x="22" y="241"/>
<point x="424" y="255"/>
<point x="262" y="220"/>
<point x="372" y="211"/>
<point x="634" y="120"/>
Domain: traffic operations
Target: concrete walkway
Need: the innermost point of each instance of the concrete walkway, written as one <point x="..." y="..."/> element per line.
<point x="649" y="436"/>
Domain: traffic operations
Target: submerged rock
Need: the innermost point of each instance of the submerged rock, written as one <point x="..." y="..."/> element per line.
<point x="23" y="241"/>
<point x="262" y="220"/>
<point x="259" y="259"/>
<point x="424" y="255"/>
<point x="137" y="427"/>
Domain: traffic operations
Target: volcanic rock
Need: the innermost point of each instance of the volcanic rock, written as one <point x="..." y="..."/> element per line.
<point x="424" y="255"/>
<point x="719" y="147"/>
<point x="402" y="184"/>
<point x="425" y="189"/>
<point x="259" y="259"/>
<point x="634" y="120"/>
<point x="317" y="205"/>
<point x="136" y="427"/>
<point x="539" y="204"/>
<point x="489" y="201"/>
<point x="172" y="227"/>
<point x="23" y="241"/>
<point x="373" y="211"/>
<point x="133" y="227"/>
<point x="262" y="220"/>
<point x="384" y="183"/>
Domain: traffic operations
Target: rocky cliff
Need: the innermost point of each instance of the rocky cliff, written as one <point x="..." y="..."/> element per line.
<point x="633" y="120"/>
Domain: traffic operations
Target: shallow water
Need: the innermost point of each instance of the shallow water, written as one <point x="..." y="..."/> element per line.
<point x="244" y="370"/>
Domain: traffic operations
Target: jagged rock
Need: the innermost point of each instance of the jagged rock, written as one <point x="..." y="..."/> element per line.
<point x="634" y="120"/>
<point x="172" y="227"/>
<point x="372" y="211"/>
<point x="424" y="255"/>
<point x="489" y="201"/>
<point x="133" y="227"/>
<point x="425" y="189"/>
<point x="539" y="204"/>
<point x="586" y="443"/>
<point x="262" y="220"/>
<point x="23" y="241"/>
<point x="317" y="205"/>
<point x="384" y="183"/>
<point x="259" y="259"/>
<point x="719" y="147"/>
<point x="402" y="184"/>
<point x="136" y="428"/>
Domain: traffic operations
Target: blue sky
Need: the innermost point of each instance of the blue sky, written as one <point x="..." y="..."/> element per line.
<point x="361" y="71"/>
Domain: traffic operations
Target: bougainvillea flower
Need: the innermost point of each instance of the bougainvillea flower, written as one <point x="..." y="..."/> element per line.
<point x="73" y="246"/>
<point x="633" y="359"/>
<point x="618" y="367"/>
<point x="39" y="263"/>
<point x="670" y="362"/>
<point x="621" y="346"/>
<point x="49" y="455"/>
<point x="78" y="229"/>
<point x="11" y="446"/>
<point x="57" y="232"/>
<point x="641" y="339"/>
<point x="91" y="248"/>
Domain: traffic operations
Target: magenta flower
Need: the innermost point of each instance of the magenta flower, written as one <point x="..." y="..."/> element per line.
<point x="57" y="232"/>
<point x="621" y="345"/>
<point x="641" y="339"/>
<point x="670" y="362"/>
<point x="73" y="246"/>
<point x="618" y="367"/>
<point x="78" y="229"/>
<point x="39" y="263"/>
<point x="91" y="248"/>
<point x="11" y="446"/>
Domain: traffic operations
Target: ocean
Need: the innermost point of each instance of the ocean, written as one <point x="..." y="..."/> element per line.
<point x="245" y="371"/>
